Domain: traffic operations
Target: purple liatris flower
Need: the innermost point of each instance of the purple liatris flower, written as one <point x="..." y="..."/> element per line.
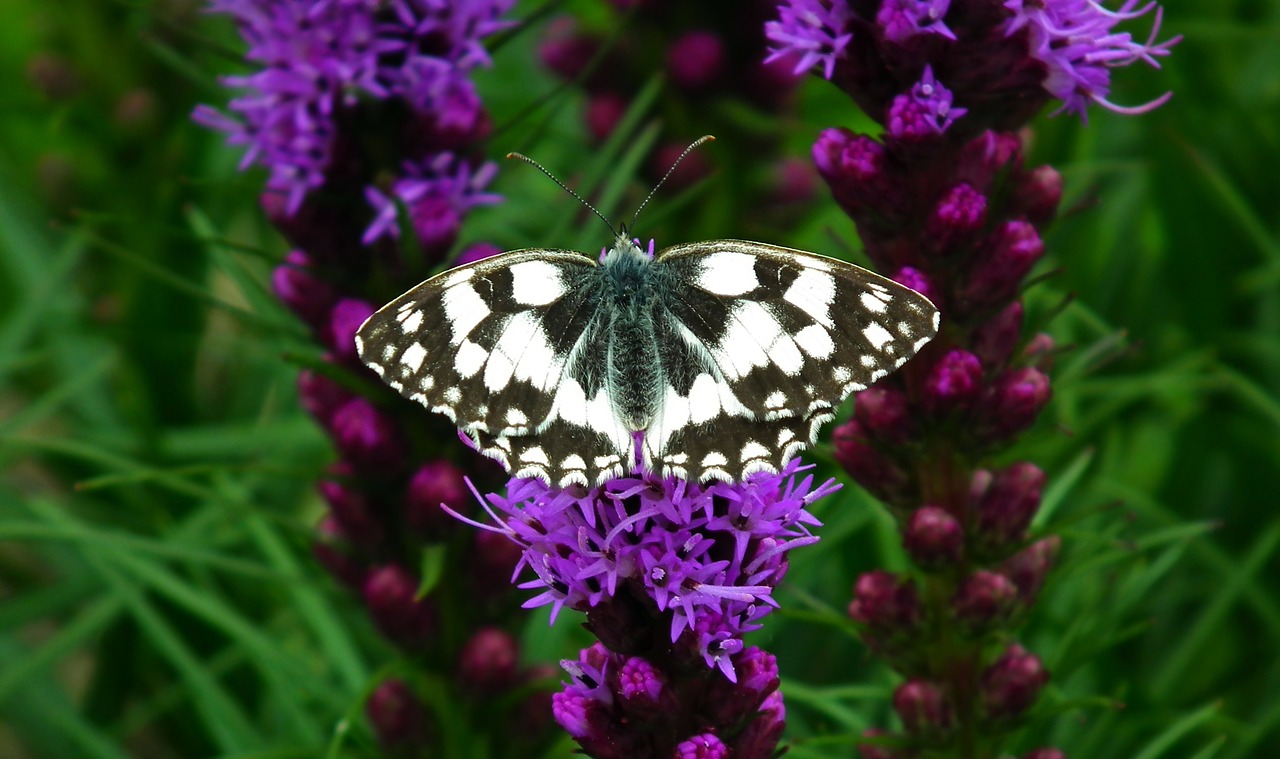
<point x="814" y="31"/>
<point x="701" y="560"/>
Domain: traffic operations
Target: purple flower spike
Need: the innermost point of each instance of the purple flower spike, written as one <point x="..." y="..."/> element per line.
<point x="925" y="113"/>
<point x="904" y="19"/>
<point x="1076" y="42"/>
<point x="814" y="31"/>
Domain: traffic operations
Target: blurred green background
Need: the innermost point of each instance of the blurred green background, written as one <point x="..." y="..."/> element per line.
<point x="157" y="596"/>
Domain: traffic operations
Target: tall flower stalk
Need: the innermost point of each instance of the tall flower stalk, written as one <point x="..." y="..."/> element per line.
<point x="944" y="204"/>
<point x="366" y="120"/>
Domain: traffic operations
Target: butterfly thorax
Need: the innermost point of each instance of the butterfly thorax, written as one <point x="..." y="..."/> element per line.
<point x="631" y="287"/>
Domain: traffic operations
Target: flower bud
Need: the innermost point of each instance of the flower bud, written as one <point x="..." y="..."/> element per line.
<point x="1028" y="567"/>
<point x="340" y="332"/>
<point x="398" y="717"/>
<point x="321" y="396"/>
<point x="696" y="61"/>
<point x="986" y="156"/>
<point x="298" y="288"/>
<point x="884" y="604"/>
<point x="1039" y="352"/>
<point x="1006" y="507"/>
<point x="984" y="601"/>
<point x="564" y="51"/>
<point x="704" y="746"/>
<point x="643" y="690"/>
<point x="389" y="594"/>
<point x="477" y="252"/>
<point x="854" y="166"/>
<point x="874" y="471"/>
<point x="923" y="707"/>
<point x="729" y="703"/>
<point x="488" y="661"/>
<point x="1012" y="683"/>
<point x="877" y="751"/>
<point x="1012" y="403"/>
<point x="435" y="483"/>
<point x="584" y="718"/>
<point x="995" y="339"/>
<point x="354" y="512"/>
<point x="915" y="279"/>
<point x="934" y="538"/>
<point x="1038" y="195"/>
<point x="1010" y="253"/>
<point x="334" y="550"/>
<point x="954" y="383"/>
<point x="885" y="413"/>
<point x="436" y="222"/>
<point x="368" y="438"/>
<point x="53" y="76"/>
<point x="956" y="220"/>
<point x="1045" y="753"/>
<point x="604" y="112"/>
<point x="694" y="167"/>
<point x="759" y="739"/>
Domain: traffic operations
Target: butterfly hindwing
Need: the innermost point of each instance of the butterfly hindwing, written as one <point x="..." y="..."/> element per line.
<point x="774" y="339"/>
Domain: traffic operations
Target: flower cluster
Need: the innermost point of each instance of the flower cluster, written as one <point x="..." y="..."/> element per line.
<point x="944" y="204"/>
<point x="361" y="110"/>
<point x="670" y="574"/>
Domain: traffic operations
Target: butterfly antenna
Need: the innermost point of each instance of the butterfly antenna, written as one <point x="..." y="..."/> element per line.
<point x="704" y="138"/>
<point x="564" y="187"/>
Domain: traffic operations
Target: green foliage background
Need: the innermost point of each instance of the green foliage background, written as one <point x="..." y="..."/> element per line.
<point x="157" y="597"/>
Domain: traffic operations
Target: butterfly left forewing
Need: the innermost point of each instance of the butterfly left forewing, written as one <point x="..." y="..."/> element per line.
<point x="774" y="339"/>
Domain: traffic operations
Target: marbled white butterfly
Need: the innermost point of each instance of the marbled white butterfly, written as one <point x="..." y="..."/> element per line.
<point x="727" y="355"/>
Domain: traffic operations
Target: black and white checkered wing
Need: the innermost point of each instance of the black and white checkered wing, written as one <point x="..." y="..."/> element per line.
<point x="501" y="347"/>
<point x="760" y="344"/>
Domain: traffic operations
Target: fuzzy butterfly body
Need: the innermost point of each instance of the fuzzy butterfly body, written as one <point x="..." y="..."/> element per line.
<point x="711" y="360"/>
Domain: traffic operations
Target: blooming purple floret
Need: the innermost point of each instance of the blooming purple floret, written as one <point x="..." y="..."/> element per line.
<point x="709" y="555"/>
<point x="904" y="19"/>
<point x="322" y="57"/>
<point x="437" y="192"/>
<point x="815" y="31"/>
<point x="1074" y="39"/>
<point x="924" y="113"/>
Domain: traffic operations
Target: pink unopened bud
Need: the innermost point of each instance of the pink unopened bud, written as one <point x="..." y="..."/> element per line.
<point x="704" y="746"/>
<point x="995" y="339"/>
<point x="564" y="51"/>
<point x="884" y="412"/>
<point x="934" y="538"/>
<point x="389" y="594"/>
<point x="1006" y="508"/>
<point x="759" y="740"/>
<point x="730" y="703"/>
<point x="398" y="717"/>
<point x="296" y="284"/>
<point x="1012" y="403"/>
<point x="435" y="483"/>
<point x="367" y="437"/>
<point x="321" y="396"/>
<point x="604" y="112"/>
<point x="1010" y="253"/>
<point x="360" y="521"/>
<point x="984" y="601"/>
<point x="915" y="279"/>
<point x="873" y="470"/>
<point x="1039" y="352"/>
<point x="877" y="750"/>
<point x="340" y="332"/>
<point x="436" y="222"/>
<point x="334" y="550"/>
<point x="477" y="252"/>
<point x="1012" y="683"/>
<point x="854" y="167"/>
<point x="694" y="167"/>
<point x="956" y="220"/>
<point x="1038" y="195"/>
<point x="642" y="690"/>
<point x="923" y="707"/>
<point x="489" y="660"/>
<point x="1028" y="567"/>
<point x="1045" y="753"/>
<point x="885" y="604"/>
<point x="988" y="155"/>
<point x="696" y="61"/>
<point x="954" y="383"/>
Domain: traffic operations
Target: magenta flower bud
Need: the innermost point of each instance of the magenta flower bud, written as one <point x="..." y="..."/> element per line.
<point x="321" y="396"/>
<point x="729" y="703"/>
<point x="934" y="538"/>
<point x="1029" y="567"/>
<point x="995" y="339"/>
<point x="1013" y="402"/>
<point x="854" y="165"/>
<point x="488" y="661"/>
<point x="829" y="149"/>
<point x="923" y="114"/>
<point x="696" y="61"/>
<point x="368" y="438"/>
<point x="877" y="751"/>
<point x="298" y="288"/>
<point x="334" y="550"/>
<point x="436" y="220"/>
<point x="884" y="604"/>
<point x="909" y="276"/>
<point x="984" y="600"/>
<point x="643" y="690"/>
<point x="477" y="252"/>
<point x="390" y="595"/>
<point x="357" y="516"/>
<point x="435" y="483"/>
<point x="986" y="156"/>
<point x="870" y="468"/>
<point x="956" y="220"/>
<point x="793" y="182"/>
<point x="759" y="740"/>
<point x="564" y="51"/>
<point x="923" y="707"/>
<point x="1038" y="195"/>
<point x="580" y="715"/>
<point x="604" y="111"/>
<point x="398" y="717"/>
<point x="954" y="383"/>
<point x="1012" y="683"/>
<point x="340" y="330"/>
<point x="885" y="413"/>
<point x="704" y="746"/>
<point x="1007" y="507"/>
<point x="1045" y="753"/>
<point x="1011" y="252"/>
<point x="1039" y="352"/>
<point x="693" y="168"/>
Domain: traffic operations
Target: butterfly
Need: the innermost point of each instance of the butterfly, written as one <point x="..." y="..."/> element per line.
<point x="707" y="361"/>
